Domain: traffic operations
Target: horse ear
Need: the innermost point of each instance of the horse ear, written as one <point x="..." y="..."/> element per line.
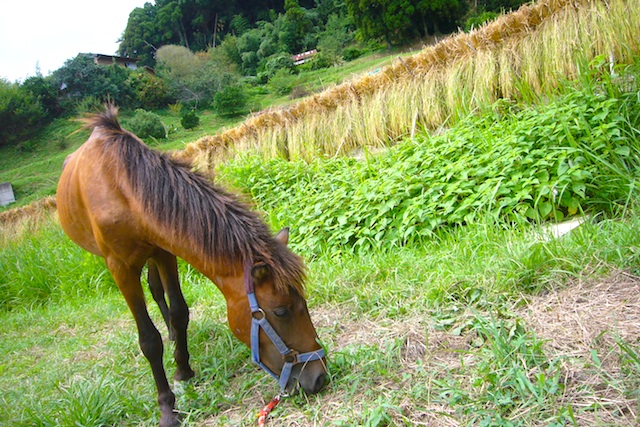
<point x="260" y="272"/>
<point x="283" y="236"/>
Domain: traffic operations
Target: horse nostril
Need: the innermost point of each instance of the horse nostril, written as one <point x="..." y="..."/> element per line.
<point x="319" y="383"/>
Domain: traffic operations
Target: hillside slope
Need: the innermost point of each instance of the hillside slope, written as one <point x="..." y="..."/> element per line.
<point x="522" y="56"/>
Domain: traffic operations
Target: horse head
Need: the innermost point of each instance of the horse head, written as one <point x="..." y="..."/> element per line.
<point x="275" y="323"/>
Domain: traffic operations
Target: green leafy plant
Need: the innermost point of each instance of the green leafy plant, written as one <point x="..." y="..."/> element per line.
<point x="175" y="108"/>
<point x="230" y="101"/>
<point x="574" y="154"/>
<point x="190" y="120"/>
<point x="146" y="124"/>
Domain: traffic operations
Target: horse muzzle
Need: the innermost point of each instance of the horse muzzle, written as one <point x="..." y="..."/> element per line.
<point x="311" y="376"/>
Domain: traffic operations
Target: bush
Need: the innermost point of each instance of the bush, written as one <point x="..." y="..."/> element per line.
<point x="319" y="61"/>
<point x="351" y="53"/>
<point x="150" y="91"/>
<point x="146" y="124"/>
<point x="271" y="65"/>
<point x="282" y="82"/>
<point x="190" y="120"/>
<point x="230" y="101"/>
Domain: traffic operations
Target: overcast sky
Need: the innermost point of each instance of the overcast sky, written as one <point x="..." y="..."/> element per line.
<point x="46" y="33"/>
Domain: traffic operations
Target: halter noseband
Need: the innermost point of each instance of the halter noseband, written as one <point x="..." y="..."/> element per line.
<point x="259" y="320"/>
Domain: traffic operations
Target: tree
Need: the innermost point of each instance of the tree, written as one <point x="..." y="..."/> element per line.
<point x="141" y="37"/>
<point x="337" y="35"/>
<point x="171" y="19"/>
<point x="439" y="15"/>
<point x="296" y="26"/>
<point x="397" y="20"/>
<point x="21" y="113"/>
<point x="44" y="89"/>
<point x="248" y="45"/>
<point x="190" y="23"/>
<point x="80" y="77"/>
<point x="192" y="79"/>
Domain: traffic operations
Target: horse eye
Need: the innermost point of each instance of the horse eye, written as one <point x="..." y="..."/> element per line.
<point x="281" y="312"/>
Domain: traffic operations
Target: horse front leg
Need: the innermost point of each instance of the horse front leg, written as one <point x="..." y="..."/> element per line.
<point x="167" y="266"/>
<point x="150" y="340"/>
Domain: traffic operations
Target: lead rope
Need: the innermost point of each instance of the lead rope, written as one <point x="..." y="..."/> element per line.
<point x="262" y="415"/>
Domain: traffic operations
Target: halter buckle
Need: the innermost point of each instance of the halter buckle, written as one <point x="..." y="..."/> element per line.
<point x="291" y="357"/>
<point x="258" y="314"/>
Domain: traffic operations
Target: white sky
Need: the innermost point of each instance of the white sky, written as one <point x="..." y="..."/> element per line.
<point x="48" y="32"/>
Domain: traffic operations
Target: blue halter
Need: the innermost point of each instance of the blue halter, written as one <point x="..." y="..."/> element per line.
<point x="259" y="320"/>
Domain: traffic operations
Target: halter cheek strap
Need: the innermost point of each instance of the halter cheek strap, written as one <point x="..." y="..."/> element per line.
<point x="258" y="321"/>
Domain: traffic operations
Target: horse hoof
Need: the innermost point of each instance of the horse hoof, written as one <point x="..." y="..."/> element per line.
<point x="170" y="419"/>
<point x="184" y="375"/>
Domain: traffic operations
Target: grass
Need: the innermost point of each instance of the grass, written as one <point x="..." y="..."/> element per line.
<point x="33" y="167"/>
<point x="482" y="323"/>
<point x="447" y="338"/>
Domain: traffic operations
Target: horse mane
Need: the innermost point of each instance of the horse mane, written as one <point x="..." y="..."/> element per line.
<point x="189" y="205"/>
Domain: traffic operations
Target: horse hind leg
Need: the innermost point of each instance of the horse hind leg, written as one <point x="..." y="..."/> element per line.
<point x="167" y="269"/>
<point x="128" y="281"/>
<point x="157" y="291"/>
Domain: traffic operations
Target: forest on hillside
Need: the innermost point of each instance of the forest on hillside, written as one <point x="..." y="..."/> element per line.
<point x="260" y="29"/>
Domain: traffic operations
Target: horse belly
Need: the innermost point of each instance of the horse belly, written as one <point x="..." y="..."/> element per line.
<point x="73" y="214"/>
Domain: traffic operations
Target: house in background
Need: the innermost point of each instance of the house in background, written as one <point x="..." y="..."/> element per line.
<point x="100" y="59"/>
<point x="303" y="57"/>
<point x="130" y="63"/>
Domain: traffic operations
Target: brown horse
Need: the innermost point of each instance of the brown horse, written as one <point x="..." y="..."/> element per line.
<point x="118" y="199"/>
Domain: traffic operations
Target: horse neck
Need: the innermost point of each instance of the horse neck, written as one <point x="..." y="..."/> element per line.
<point x="228" y="277"/>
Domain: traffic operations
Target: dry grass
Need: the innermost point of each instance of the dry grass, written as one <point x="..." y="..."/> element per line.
<point x="591" y="316"/>
<point x="18" y="221"/>
<point x="520" y="54"/>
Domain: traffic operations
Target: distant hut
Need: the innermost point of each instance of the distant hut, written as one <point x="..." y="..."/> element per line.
<point x="6" y="194"/>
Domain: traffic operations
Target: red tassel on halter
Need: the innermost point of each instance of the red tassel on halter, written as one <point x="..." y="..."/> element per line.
<point x="264" y="413"/>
